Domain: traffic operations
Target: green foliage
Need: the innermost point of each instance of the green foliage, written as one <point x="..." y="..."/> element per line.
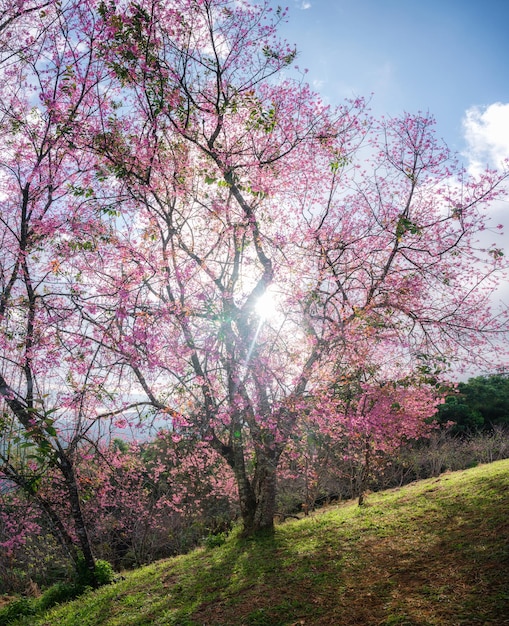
<point x="82" y="245"/>
<point x="19" y="608"/>
<point x="134" y="28"/>
<point x="121" y="445"/>
<point x="23" y="607"/>
<point x="213" y="541"/>
<point x="287" y="59"/>
<point x="78" y="191"/>
<point x="341" y="161"/>
<point x="405" y="225"/>
<point x="264" y="120"/>
<point x="41" y="561"/>
<point x="58" y="593"/>
<point x="480" y="403"/>
<point x="496" y="253"/>
<point x="464" y="417"/>
<point x="103" y="574"/>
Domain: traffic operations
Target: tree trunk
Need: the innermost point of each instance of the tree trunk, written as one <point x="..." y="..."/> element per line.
<point x="366" y="471"/>
<point x="258" y="497"/>
<point x="80" y="527"/>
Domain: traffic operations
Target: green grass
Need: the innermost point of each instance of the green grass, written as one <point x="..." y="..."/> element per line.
<point x="432" y="553"/>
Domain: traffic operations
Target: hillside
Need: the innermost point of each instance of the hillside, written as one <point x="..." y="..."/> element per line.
<point x="432" y="553"/>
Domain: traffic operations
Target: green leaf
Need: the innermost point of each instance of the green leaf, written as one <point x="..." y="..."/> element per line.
<point x="405" y="225"/>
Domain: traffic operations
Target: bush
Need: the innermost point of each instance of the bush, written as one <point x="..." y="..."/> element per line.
<point x="58" y="593"/>
<point x="19" y="608"/>
<point x="104" y="573"/>
<point x="213" y="541"/>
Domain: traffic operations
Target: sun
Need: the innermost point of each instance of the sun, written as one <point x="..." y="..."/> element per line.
<point x="265" y="306"/>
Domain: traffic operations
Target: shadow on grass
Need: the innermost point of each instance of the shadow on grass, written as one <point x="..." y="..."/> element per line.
<point x="242" y="584"/>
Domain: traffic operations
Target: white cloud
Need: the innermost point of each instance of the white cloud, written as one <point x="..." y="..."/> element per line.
<point x="305" y="5"/>
<point x="486" y="131"/>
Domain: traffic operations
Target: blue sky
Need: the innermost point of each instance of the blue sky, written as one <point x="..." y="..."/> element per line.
<point x="448" y="57"/>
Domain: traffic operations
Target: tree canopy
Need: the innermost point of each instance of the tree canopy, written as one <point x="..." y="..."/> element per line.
<point x="480" y="403"/>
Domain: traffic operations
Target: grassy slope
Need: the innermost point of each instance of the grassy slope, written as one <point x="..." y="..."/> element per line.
<point x="433" y="553"/>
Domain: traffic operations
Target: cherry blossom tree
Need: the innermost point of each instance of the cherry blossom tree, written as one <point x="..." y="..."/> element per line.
<point x="268" y="245"/>
<point x="373" y="420"/>
<point x="139" y="502"/>
<point x="225" y="247"/>
<point x="49" y="86"/>
<point x="146" y="501"/>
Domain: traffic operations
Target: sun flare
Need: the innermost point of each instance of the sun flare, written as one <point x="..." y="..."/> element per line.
<point x="265" y="306"/>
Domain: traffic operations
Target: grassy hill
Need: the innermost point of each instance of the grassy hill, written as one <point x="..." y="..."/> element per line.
<point x="433" y="553"/>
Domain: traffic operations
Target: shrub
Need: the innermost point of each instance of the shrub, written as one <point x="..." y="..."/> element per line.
<point x="213" y="541"/>
<point x="19" y="608"/>
<point x="104" y="573"/>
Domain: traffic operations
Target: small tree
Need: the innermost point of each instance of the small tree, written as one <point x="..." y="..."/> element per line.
<point x="372" y="422"/>
<point x="151" y="500"/>
<point x="49" y="81"/>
